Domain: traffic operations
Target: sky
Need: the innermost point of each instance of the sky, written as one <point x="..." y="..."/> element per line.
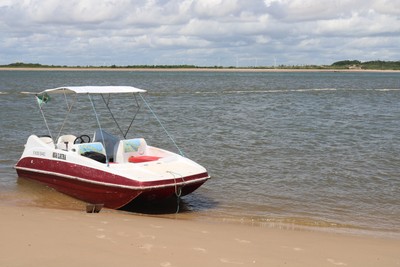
<point x="238" y="33"/>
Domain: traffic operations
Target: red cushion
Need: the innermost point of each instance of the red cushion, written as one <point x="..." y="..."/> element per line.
<point x="138" y="159"/>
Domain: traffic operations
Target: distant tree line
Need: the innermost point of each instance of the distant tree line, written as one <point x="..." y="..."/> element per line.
<point x="343" y="64"/>
<point x="37" y="65"/>
<point x="368" y="65"/>
<point x="30" y="65"/>
<point x="155" y="67"/>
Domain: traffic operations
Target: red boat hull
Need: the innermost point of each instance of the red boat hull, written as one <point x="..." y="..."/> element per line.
<point x="99" y="187"/>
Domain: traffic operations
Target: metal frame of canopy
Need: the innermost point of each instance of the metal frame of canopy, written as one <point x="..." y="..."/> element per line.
<point x="100" y="90"/>
<point x="94" y="90"/>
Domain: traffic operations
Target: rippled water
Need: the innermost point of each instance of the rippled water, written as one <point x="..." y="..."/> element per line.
<point x="317" y="149"/>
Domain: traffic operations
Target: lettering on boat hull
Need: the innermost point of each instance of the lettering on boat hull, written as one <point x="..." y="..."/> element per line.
<point x="59" y="156"/>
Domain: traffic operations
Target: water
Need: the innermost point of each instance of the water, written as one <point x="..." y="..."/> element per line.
<point x="302" y="149"/>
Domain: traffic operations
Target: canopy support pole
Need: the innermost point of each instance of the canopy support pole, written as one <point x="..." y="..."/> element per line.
<point x="44" y="118"/>
<point x="98" y="123"/>
<point x="69" y="108"/>
<point x="158" y="120"/>
<point x="111" y="113"/>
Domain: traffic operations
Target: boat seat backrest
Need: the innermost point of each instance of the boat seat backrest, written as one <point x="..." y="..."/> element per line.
<point x="130" y="147"/>
<point x="89" y="147"/>
<point x="47" y="140"/>
<point x="65" y="142"/>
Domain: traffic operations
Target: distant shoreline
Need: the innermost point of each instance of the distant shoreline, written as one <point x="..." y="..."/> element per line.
<point x="192" y="69"/>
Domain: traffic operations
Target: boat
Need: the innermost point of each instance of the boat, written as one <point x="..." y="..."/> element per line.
<point x="104" y="168"/>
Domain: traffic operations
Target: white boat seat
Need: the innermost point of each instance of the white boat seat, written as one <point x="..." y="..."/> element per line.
<point x="47" y="140"/>
<point x="128" y="148"/>
<point x="65" y="142"/>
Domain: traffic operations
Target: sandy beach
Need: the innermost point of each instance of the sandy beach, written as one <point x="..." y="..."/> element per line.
<point x="51" y="237"/>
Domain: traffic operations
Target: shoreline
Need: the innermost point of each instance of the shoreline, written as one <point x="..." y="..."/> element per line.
<point x="56" y="201"/>
<point x="194" y="70"/>
<point x="45" y="198"/>
<point x="53" y="200"/>
<point x="53" y="237"/>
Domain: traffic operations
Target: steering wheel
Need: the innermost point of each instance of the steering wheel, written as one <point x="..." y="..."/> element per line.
<point x="82" y="139"/>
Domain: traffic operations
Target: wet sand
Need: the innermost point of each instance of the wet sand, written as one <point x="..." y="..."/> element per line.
<point x="52" y="237"/>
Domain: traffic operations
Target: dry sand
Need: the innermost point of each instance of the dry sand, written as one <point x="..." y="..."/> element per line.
<point x="50" y="237"/>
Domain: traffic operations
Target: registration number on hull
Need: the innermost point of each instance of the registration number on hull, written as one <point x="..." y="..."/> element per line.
<point x="59" y="156"/>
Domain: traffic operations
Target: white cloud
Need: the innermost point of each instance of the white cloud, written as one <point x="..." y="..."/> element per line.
<point x="389" y="7"/>
<point x="307" y="10"/>
<point x="216" y="8"/>
<point x="86" y="32"/>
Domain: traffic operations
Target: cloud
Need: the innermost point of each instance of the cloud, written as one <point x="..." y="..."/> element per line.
<point x="216" y="8"/>
<point x="212" y="32"/>
<point x="311" y="10"/>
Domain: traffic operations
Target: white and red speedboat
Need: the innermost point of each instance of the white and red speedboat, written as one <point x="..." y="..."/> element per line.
<point x="105" y="169"/>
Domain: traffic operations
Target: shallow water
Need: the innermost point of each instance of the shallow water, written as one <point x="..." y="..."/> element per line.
<point x="315" y="149"/>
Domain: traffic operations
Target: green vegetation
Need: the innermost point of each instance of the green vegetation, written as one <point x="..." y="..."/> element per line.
<point x="346" y="63"/>
<point x="339" y="65"/>
<point x="368" y="65"/>
<point x="24" y="65"/>
<point x="29" y="65"/>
